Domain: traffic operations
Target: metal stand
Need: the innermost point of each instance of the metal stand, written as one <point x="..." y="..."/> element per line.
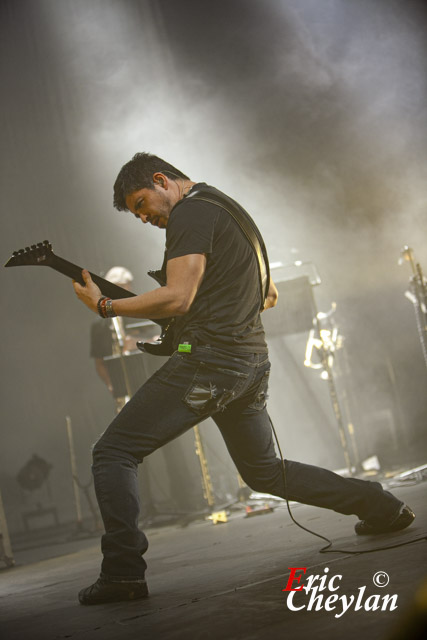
<point x="346" y="405"/>
<point x="417" y="294"/>
<point x="120" y="343"/>
<point x="6" y="554"/>
<point x="206" y="478"/>
<point x="77" y="486"/>
<point x="77" y="503"/>
<point x="326" y="342"/>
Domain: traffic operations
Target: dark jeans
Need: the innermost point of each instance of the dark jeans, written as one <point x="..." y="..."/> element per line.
<point x="186" y="390"/>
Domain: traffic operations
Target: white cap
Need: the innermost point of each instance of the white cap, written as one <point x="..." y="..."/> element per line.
<point x="119" y="275"/>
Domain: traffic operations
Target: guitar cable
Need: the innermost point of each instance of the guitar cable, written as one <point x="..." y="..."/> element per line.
<point x="327" y="548"/>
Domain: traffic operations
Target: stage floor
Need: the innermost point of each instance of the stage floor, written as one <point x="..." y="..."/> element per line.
<point x="225" y="581"/>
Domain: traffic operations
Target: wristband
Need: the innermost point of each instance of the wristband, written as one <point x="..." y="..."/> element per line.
<point x="100" y="306"/>
<point x="108" y="308"/>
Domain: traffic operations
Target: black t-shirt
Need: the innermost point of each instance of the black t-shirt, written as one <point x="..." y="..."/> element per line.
<point x="226" y="310"/>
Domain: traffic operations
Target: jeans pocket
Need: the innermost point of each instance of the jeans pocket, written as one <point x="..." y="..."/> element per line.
<point x="213" y="388"/>
<point x="260" y="396"/>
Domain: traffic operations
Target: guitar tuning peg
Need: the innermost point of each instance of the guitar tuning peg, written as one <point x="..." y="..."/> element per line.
<point x="40" y="244"/>
<point x="33" y="246"/>
<point x="21" y="251"/>
<point x="46" y="243"/>
<point x="27" y="249"/>
<point x="15" y="253"/>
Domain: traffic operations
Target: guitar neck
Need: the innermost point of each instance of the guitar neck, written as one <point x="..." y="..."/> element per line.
<point x="75" y="272"/>
<point x="42" y="255"/>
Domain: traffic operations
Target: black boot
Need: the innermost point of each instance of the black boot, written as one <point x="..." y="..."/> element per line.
<point x="404" y="518"/>
<point x="107" y="591"/>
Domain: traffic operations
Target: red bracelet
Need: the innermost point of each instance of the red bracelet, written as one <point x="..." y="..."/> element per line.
<point x="100" y="306"/>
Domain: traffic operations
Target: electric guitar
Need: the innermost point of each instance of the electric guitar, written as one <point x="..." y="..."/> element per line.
<point x="41" y="255"/>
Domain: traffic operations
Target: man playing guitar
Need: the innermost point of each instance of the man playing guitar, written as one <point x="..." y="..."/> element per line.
<point x="216" y="284"/>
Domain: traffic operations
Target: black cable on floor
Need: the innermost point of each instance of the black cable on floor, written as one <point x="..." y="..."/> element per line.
<point x="326" y="548"/>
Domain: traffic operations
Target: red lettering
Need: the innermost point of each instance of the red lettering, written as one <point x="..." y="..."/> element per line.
<point x="293" y="578"/>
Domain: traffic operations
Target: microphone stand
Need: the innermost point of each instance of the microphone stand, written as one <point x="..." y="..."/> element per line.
<point x="326" y="342"/>
<point x="417" y="294"/>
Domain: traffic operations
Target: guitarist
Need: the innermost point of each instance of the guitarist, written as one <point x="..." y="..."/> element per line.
<point x="219" y="367"/>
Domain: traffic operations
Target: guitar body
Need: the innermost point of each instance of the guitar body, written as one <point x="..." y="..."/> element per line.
<point x="161" y="347"/>
<point x="41" y="254"/>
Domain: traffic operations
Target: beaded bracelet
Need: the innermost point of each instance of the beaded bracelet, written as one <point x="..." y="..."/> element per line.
<point x="99" y="306"/>
<point x="103" y="303"/>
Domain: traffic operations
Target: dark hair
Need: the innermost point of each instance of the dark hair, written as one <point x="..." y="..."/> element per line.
<point x="138" y="174"/>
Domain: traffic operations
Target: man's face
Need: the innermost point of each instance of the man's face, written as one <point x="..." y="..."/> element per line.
<point x="151" y="205"/>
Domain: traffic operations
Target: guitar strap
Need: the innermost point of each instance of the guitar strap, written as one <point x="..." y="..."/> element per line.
<point x="249" y="229"/>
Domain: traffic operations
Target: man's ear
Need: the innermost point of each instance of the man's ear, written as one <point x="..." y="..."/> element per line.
<point x="160" y="179"/>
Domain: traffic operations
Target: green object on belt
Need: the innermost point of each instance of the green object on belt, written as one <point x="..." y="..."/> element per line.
<point x="184" y="348"/>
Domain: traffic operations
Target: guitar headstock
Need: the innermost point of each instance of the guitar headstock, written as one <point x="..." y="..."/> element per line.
<point x="38" y="254"/>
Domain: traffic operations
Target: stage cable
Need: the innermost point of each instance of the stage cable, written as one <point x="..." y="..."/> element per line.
<point x="327" y="547"/>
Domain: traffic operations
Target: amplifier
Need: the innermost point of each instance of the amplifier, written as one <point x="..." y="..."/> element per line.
<point x="295" y="308"/>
